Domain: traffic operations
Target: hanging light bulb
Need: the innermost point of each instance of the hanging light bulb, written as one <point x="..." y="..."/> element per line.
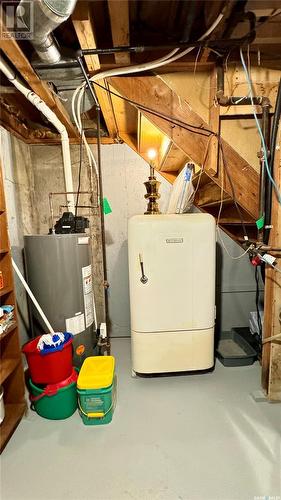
<point x="151" y="153"/>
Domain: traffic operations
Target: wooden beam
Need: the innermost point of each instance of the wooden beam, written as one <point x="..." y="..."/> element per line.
<point x="105" y="102"/>
<point x="119" y="20"/>
<point x="13" y="52"/>
<point x="13" y="124"/>
<point x="271" y="356"/>
<point x="174" y="159"/>
<point x="152" y="92"/>
<point x="214" y="122"/>
<point x="174" y="67"/>
<point x="82" y="23"/>
<point x="38" y="136"/>
<point x="84" y="26"/>
<point x="212" y="10"/>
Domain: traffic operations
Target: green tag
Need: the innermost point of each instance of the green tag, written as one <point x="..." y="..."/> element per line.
<point x="106" y="207"/>
<point x="260" y="222"/>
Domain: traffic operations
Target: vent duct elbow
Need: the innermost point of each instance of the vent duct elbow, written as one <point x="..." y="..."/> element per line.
<point x="47" y="16"/>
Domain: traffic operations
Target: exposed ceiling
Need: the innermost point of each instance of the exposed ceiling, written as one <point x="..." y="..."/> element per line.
<point x="108" y="23"/>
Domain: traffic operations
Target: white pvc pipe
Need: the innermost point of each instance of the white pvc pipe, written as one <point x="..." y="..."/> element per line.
<point x="50" y="115"/>
<point x="41" y="312"/>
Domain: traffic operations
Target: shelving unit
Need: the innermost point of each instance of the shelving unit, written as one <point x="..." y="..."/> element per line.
<point x="11" y="368"/>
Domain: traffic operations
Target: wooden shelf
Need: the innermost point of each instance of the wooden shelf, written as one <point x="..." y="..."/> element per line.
<point x="5" y="290"/>
<point x="11" y="368"/>
<point x="7" y="367"/>
<point x="13" y="415"/>
<point x="9" y="330"/>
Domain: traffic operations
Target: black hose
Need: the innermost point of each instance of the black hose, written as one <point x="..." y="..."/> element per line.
<point x="268" y="184"/>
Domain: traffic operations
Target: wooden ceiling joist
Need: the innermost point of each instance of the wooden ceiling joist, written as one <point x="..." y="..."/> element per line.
<point x="119" y="21"/>
<point x="83" y="23"/>
<point x="13" y="52"/>
<point x="153" y="93"/>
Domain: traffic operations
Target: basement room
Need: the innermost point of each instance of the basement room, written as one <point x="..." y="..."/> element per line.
<point x="140" y="249"/>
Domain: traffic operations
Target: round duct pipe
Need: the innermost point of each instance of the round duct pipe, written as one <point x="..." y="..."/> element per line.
<point x="47" y="16"/>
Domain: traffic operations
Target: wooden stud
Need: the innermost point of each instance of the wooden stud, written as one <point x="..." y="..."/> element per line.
<point x="119" y="20"/>
<point x="214" y="122"/>
<point x="82" y="23"/>
<point x="84" y="27"/>
<point x="271" y="356"/>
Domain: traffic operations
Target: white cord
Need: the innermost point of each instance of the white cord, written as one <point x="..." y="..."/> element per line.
<point x="229" y="255"/>
<point x="218" y="228"/>
<point x="158" y="62"/>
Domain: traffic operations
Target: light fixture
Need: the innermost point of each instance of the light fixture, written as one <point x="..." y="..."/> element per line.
<point x="152" y="186"/>
<point x="151" y="153"/>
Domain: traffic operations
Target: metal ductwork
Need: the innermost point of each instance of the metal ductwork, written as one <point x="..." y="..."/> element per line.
<point x="47" y="15"/>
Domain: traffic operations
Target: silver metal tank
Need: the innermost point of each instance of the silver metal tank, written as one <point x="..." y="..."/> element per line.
<point x="60" y="276"/>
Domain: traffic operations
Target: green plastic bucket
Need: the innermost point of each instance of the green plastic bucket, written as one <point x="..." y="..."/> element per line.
<point x="96" y="406"/>
<point x="56" y="406"/>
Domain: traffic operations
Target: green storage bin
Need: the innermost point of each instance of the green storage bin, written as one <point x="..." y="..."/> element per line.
<point x="54" y="407"/>
<point x="96" y="406"/>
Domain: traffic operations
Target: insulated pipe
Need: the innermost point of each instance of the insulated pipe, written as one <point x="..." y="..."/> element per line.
<point x="41" y="312"/>
<point x="50" y="115"/>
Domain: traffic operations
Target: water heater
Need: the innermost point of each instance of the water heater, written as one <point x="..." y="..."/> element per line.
<point x="172" y="292"/>
<point x="59" y="273"/>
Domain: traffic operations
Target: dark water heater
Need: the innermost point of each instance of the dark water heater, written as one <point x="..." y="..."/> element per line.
<point x="59" y="273"/>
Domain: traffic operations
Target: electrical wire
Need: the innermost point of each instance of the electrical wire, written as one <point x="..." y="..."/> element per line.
<point x="264" y="147"/>
<point x="195" y="69"/>
<point x="198" y="130"/>
<point x="175" y="121"/>
<point x="170" y="57"/>
<point x="226" y="250"/>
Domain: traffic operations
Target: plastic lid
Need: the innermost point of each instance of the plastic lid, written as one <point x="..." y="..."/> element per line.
<point x="96" y="372"/>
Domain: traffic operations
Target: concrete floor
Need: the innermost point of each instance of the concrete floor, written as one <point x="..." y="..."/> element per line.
<point x="185" y="437"/>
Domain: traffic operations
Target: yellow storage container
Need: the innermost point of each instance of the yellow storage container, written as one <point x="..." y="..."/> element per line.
<point x="96" y="387"/>
<point x="97" y="372"/>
